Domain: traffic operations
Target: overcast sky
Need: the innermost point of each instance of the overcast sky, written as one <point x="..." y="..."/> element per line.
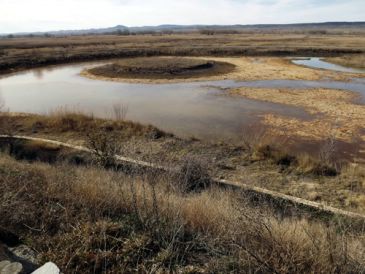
<point x="44" y="15"/>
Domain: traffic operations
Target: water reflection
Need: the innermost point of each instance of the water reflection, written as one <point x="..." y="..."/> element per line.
<point x="187" y="109"/>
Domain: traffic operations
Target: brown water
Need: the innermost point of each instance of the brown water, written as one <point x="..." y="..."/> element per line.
<point x="186" y="109"/>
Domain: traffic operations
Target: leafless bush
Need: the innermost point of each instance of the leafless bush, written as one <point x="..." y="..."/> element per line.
<point x="120" y="112"/>
<point x="6" y="125"/>
<point x="104" y="144"/>
<point x="327" y="151"/>
<point x="193" y="175"/>
<point x="327" y="164"/>
<point x="253" y="137"/>
<point x="261" y="143"/>
<point x="2" y="103"/>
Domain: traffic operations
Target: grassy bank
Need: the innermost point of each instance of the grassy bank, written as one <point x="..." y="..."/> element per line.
<point x="355" y="61"/>
<point x="92" y="220"/>
<point x="261" y="160"/>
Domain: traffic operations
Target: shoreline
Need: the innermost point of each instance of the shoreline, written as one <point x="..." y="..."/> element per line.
<point x="279" y="68"/>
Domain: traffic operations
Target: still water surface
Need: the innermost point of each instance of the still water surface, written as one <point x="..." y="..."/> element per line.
<point x="197" y="109"/>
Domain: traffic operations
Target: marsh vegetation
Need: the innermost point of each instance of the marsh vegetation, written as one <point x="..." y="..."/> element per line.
<point x="90" y="212"/>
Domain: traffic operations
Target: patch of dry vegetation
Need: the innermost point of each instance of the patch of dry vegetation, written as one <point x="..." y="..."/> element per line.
<point x="355" y="61"/>
<point x="240" y="69"/>
<point x="336" y="114"/>
<point x="92" y="220"/>
<point x="262" y="159"/>
<point x="20" y="53"/>
<point x="75" y="124"/>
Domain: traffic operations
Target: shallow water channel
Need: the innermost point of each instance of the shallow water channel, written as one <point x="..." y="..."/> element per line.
<point x="315" y="62"/>
<point x="198" y="109"/>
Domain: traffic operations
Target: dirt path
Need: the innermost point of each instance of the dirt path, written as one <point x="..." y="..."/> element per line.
<point x="298" y="202"/>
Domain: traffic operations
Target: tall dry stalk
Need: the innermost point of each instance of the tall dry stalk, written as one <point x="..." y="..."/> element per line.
<point x="2" y="103"/>
<point x="120" y="112"/>
<point x="7" y="127"/>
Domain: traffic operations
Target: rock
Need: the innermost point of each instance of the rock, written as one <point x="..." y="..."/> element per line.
<point x="20" y="256"/>
<point x="4" y="264"/>
<point x="3" y="255"/>
<point x="24" y="253"/>
<point x="12" y="268"/>
<point x="48" y="268"/>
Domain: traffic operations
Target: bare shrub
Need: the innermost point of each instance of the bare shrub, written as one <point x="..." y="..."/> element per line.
<point x="120" y="112"/>
<point x="327" y="165"/>
<point x="2" y="103"/>
<point x="193" y="175"/>
<point x="261" y="144"/>
<point x="104" y="144"/>
<point x="328" y="149"/>
<point x="7" y="127"/>
<point x="253" y="137"/>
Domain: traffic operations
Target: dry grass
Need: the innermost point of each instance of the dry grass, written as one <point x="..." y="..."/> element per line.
<point x="335" y="111"/>
<point x="91" y="220"/>
<point x="356" y="61"/>
<point x="262" y="145"/>
<point x="233" y="68"/>
<point x="267" y="162"/>
<point x="120" y="112"/>
<point x="21" y="53"/>
<point x="64" y="120"/>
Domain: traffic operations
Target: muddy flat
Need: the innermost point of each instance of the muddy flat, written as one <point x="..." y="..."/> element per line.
<point x="161" y="68"/>
<point x="241" y="69"/>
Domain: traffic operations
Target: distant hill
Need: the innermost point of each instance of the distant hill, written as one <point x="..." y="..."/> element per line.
<point x="120" y="29"/>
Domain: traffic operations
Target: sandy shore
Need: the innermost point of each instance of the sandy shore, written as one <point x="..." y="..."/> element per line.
<point x="248" y="69"/>
<point x="335" y="114"/>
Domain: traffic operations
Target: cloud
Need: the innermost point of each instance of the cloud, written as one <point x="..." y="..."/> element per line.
<point x="43" y="15"/>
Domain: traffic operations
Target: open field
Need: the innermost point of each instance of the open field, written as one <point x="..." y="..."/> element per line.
<point x="20" y="53"/>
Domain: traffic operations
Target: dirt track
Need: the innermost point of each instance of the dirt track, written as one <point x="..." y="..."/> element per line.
<point x="252" y="190"/>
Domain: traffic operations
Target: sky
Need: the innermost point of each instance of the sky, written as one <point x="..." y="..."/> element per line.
<point x="46" y="15"/>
